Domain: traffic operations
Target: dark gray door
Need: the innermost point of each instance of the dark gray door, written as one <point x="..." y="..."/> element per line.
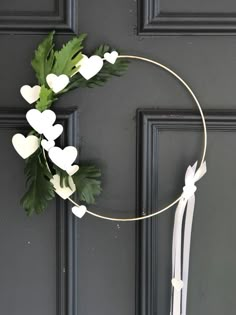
<point x="53" y="264"/>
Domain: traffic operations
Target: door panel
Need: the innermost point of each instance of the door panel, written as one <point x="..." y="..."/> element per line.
<point x="178" y="134"/>
<point x="166" y="17"/>
<point x="27" y="16"/>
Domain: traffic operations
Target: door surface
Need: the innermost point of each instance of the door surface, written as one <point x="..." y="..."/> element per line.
<point x="54" y="264"/>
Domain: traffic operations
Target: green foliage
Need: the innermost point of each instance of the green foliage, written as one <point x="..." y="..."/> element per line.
<point x="42" y="62"/>
<point x="64" y="62"/>
<point x="45" y="99"/>
<point x="46" y="61"/>
<point x="67" y="58"/>
<point x="39" y="188"/>
<point x="108" y="70"/>
<point x="87" y="184"/>
<point x="64" y="177"/>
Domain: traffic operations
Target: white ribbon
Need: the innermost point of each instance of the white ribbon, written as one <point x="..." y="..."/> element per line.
<point x="180" y="258"/>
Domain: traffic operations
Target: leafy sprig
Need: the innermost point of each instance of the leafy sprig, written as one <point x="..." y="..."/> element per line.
<point x="108" y="70"/>
<point x="64" y="61"/>
<point x="39" y="188"/>
<point x="87" y="182"/>
<point x="47" y="60"/>
<point x="67" y="58"/>
<point x="43" y="60"/>
<point x="46" y="98"/>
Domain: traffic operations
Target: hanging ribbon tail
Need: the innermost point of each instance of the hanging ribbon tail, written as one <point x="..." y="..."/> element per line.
<point x="180" y="257"/>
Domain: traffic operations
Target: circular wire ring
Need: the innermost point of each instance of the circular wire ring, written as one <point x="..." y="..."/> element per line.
<point x="204" y="142"/>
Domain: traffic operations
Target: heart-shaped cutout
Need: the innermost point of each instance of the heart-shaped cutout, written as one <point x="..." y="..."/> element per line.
<point x="111" y="57"/>
<point x="53" y="132"/>
<point x="30" y="94"/>
<point x="47" y="144"/>
<point x="40" y="121"/>
<point x="72" y="169"/>
<point x="177" y="284"/>
<point x="64" y="192"/>
<point x="25" y="146"/>
<point x="63" y="158"/>
<point x="89" y="67"/>
<point x="57" y="83"/>
<point x="79" y="211"/>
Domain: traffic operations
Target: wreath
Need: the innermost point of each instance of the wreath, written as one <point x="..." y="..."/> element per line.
<point x="58" y="72"/>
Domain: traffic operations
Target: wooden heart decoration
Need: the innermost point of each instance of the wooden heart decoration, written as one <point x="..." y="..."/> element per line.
<point x="30" y="94"/>
<point x="40" y="121"/>
<point x="177" y="284"/>
<point x="63" y="158"/>
<point x="25" y="146"/>
<point x="89" y="67"/>
<point x="57" y="83"/>
<point x="111" y="57"/>
<point x="47" y="144"/>
<point x="79" y="211"/>
<point x="64" y="192"/>
<point x="53" y="132"/>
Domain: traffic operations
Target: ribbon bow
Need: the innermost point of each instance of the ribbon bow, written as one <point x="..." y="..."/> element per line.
<point x="180" y="261"/>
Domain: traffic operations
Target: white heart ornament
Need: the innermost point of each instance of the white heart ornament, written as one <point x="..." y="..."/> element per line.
<point x="40" y="121"/>
<point x="89" y="67"/>
<point x="53" y="132"/>
<point x="177" y="284"/>
<point x="111" y="57"/>
<point x="72" y="169"/>
<point x="63" y="158"/>
<point x="30" y="94"/>
<point x="47" y="144"/>
<point x="25" y="146"/>
<point x="64" y="192"/>
<point x="57" y="83"/>
<point x="79" y="211"/>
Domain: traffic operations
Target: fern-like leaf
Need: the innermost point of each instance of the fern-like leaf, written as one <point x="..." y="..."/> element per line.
<point x="88" y="186"/>
<point x="39" y="188"/>
<point x="67" y="58"/>
<point x="45" y="99"/>
<point x="108" y="70"/>
<point x="43" y="60"/>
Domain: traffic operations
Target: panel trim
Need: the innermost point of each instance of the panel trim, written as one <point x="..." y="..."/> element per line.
<point x="149" y="122"/>
<point x="66" y="227"/>
<point x="153" y="22"/>
<point x="63" y="19"/>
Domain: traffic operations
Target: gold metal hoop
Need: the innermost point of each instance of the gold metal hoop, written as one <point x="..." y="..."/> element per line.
<point x="203" y="152"/>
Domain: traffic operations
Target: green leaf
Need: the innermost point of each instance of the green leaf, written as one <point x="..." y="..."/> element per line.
<point x="101" y="50"/>
<point x="108" y="70"/>
<point x="67" y="58"/>
<point x="87" y="184"/>
<point x="45" y="99"/>
<point x="64" y="177"/>
<point x="40" y="190"/>
<point x="43" y="60"/>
